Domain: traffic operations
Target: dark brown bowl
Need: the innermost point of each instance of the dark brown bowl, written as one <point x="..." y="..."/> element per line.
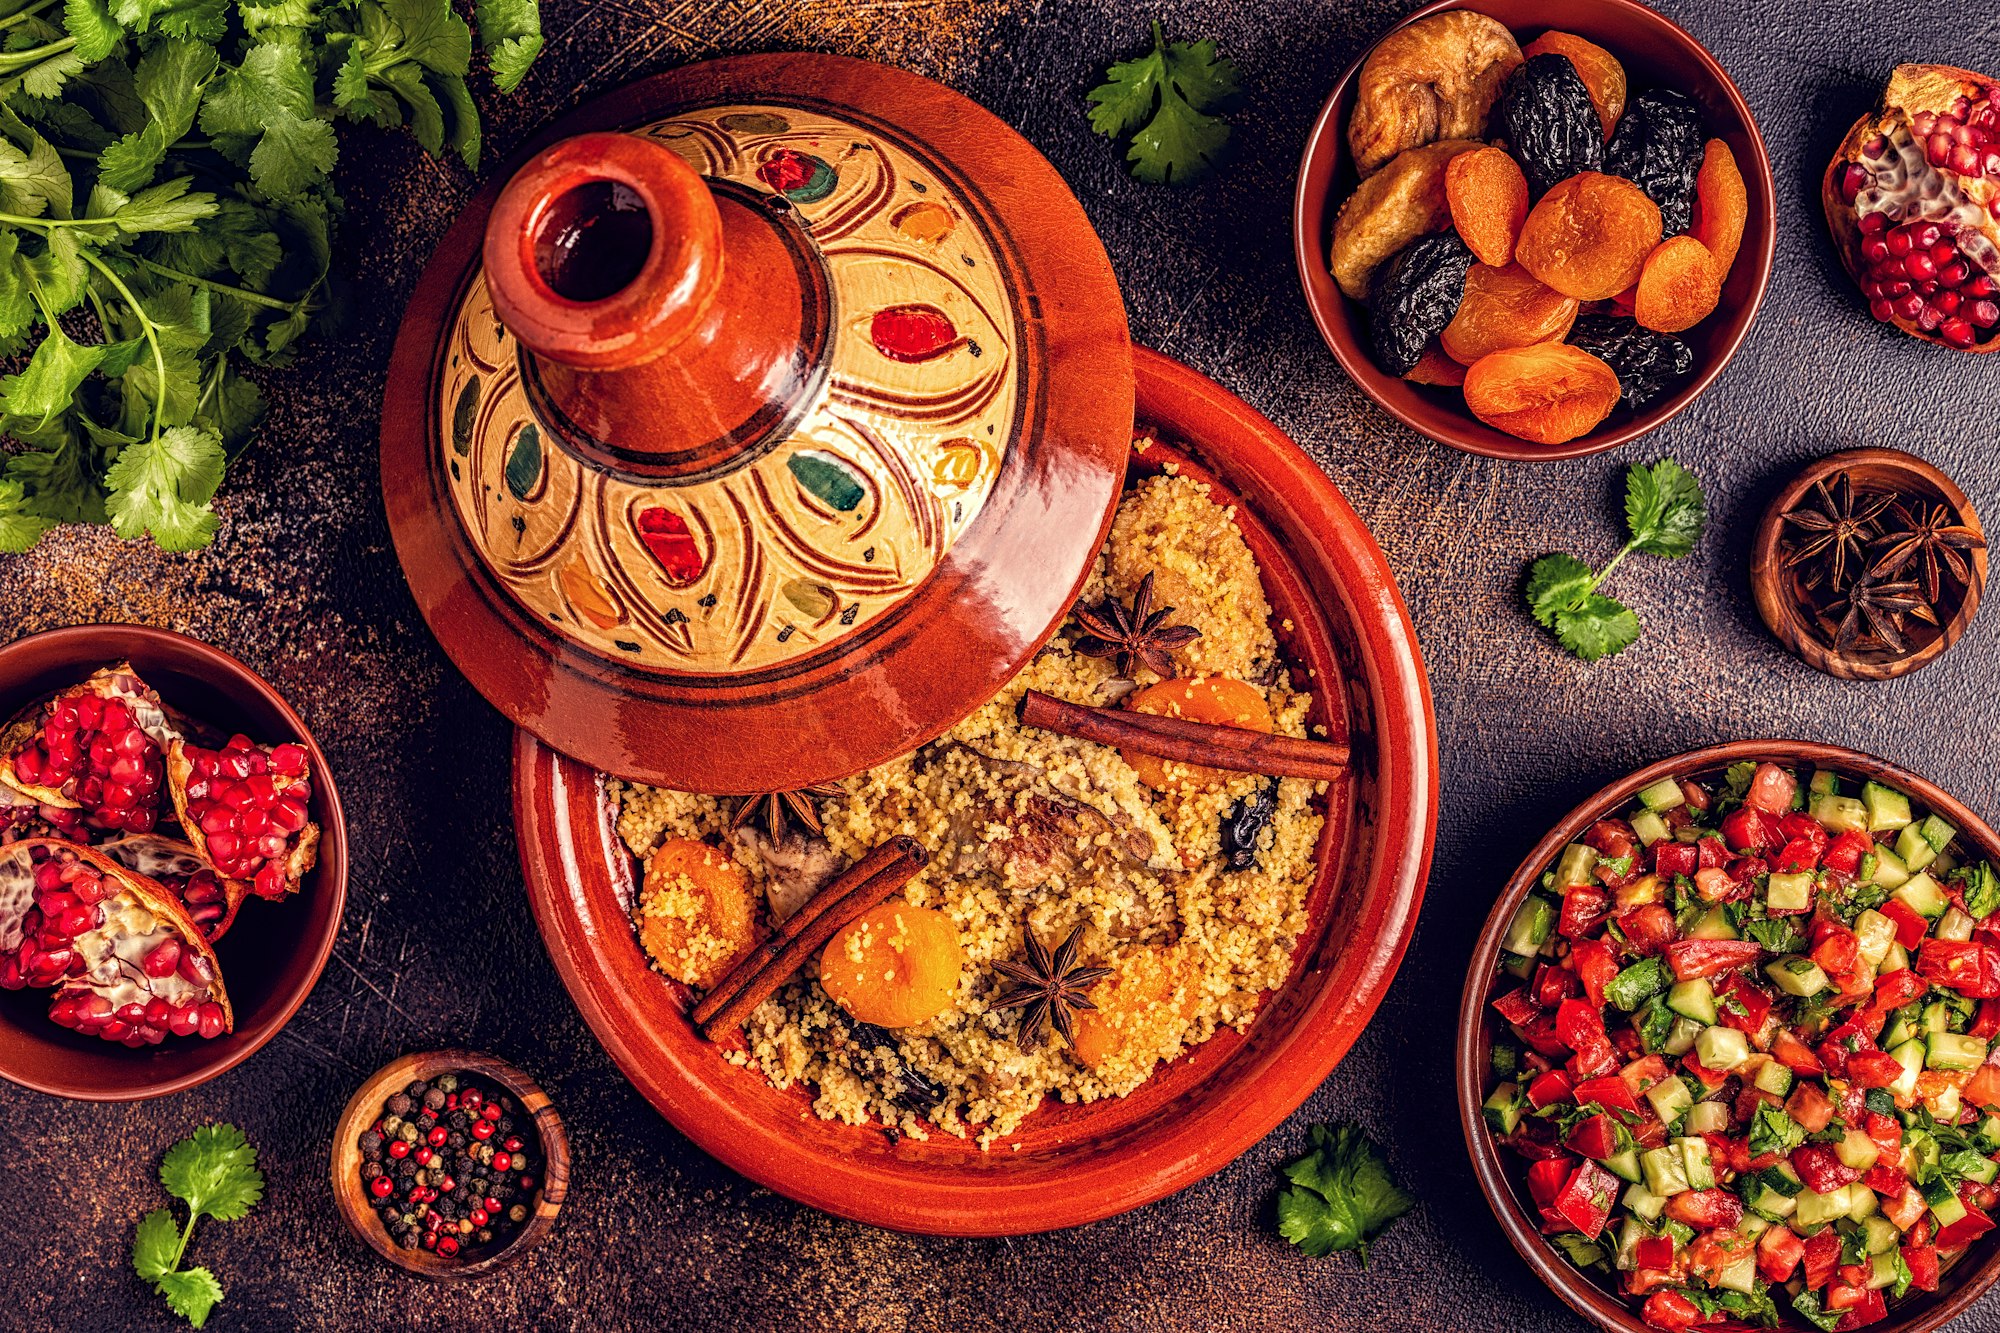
<point x="1656" y="52"/>
<point x="1778" y="599"/>
<point x="271" y="957"/>
<point x="366" y="1105"/>
<point x="1500" y="1178"/>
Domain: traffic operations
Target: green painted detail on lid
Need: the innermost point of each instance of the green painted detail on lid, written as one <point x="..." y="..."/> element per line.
<point x="826" y="477"/>
<point x="464" y="417"/>
<point x="524" y="462"/>
<point x="754" y="122"/>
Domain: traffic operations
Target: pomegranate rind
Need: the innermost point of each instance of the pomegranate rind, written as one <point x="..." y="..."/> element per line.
<point x="1911" y="90"/>
<point x="119" y="681"/>
<point x="299" y="860"/>
<point x="171" y="863"/>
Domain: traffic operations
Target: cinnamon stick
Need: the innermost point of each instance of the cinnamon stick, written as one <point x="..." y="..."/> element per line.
<point x="869" y="881"/>
<point x="1186" y="742"/>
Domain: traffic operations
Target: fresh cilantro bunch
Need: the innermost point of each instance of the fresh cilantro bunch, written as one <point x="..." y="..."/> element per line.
<point x="1341" y="1195"/>
<point x="166" y="215"/>
<point x="215" y="1173"/>
<point x="1665" y="512"/>
<point x="1160" y="99"/>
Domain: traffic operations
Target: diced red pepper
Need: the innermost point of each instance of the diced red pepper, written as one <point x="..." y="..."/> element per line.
<point x="1596" y="1136"/>
<point x="1983" y="1089"/>
<point x="1910" y="926"/>
<point x="1873" y="1069"/>
<point x="1650" y="928"/>
<point x="1986" y="1023"/>
<point x="1671" y="858"/>
<point x="1969" y="967"/>
<point x="1612" y="1093"/>
<point x="1964" y="1231"/>
<point x="1553" y="985"/>
<point x="1772" y="790"/>
<point x="1795" y="1055"/>
<point x="1744" y="1006"/>
<point x="1885" y="1180"/>
<point x="1595" y="967"/>
<point x="1895" y="989"/>
<point x="1822" y="1171"/>
<point x="1844" y="853"/>
<point x="1711" y="852"/>
<point x="1517" y="1006"/>
<point x="1654" y="1252"/>
<point x="1923" y="1264"/>
<point x="1779" y="1250"/>
<point x="1838" y="951"/>
<point x="1585" y="1201"/>
<point x="1821" y="1256"/>
<point x="1583" y="910"/>
<point x="1706" y="1209"/>
<point x="1749" y="830"/>
<point x="1705" y="958"/>
<point x="1546" y="1179"/>
<point x="1710" y="1078"/>
<point x="1671" y="1310"/>
<point x="1549" y="1089"/>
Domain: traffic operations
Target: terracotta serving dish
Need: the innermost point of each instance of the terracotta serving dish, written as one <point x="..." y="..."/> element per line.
<point x="272" y="955"/>
<point x="365" y="1106"/>
<point x="1779" y="600"/>
<point x="1070" y="1164"/>
<point x="1656" y="52"/>
<point x="1501" y="1174"/>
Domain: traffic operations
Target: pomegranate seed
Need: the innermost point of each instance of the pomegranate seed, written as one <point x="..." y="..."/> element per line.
<point x="1900" y="242"/>
<point x="1874" y="223"/>
<point x="1958" y="333"/>
<point x="1908" y="307"/>
<point x="1954" y="274"/>
<point x="158" y="1011"/>
<point x="289" y="759"/>
<point x="1983" y="314"/>
<point x="164" y="959"/>
<point x="195" y="968"/>
<point x="212" y="1023"/>
<point x="184" y="1021"/>
<point x="79" y="919"/>
<point x="1945" y="303"/>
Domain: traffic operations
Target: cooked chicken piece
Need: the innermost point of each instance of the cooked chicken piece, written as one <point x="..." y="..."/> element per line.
<point x="795" y="866"/>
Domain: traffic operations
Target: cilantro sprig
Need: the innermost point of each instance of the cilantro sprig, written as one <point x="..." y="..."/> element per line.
<point x="1341" y="1196"/>
<point x="166" y="218"/>
<point x="1665" y="513"/>
<point x="1162" y="100"/>
<point x="213" y="1171"/>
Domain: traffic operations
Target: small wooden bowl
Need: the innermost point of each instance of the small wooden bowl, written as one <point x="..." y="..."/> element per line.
<point x="1656" y="52"/>
<point x="366" y="1105"/>
<point x="1501" y="1178"/>
<point x="1785" y="613"/>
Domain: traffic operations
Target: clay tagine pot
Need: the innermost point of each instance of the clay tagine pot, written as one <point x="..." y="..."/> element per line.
<point x="761" y="427"/>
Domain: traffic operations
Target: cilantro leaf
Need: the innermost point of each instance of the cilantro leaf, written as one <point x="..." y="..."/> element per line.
<point x="1809" y="1308"/>
<point x="169" y="81"/>
<point x="1774" y="1131"/>
<point x="1162" y="100"/>
<point x="191" y="1293"/>
<point x="215" y="1171"/>
<point x="20" y="528"/>
<point x="1557" y="583"/>
<point x="510" y="32"/>
<point x="156" y="1248"/>
<point x="1664" y="509"/>
<point x="97" y="33"/>
<point x="51" y="378"/>
<point x="34" y="181"/>
<point x="1598" y="628"/>
<point x="1341" y="1195"/>
<point x="163" y="487"/>
<point x="269" y="99"/>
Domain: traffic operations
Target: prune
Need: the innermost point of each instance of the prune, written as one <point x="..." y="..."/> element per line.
<point x="1505" y="307"/>
<point x="1245" y="823"/>
<point x="1549" y="121"/>
<point x="1649" y="365"/>
<point x="1589" y="236"/>
<point x="1416" y="295"/>
<point x="1390" y="209"/>
<point x="1658" y="147"/>
<point x="1599" y="69"/>
<point x="1721" y="205"/>
<point x="1489" y="202"/>
<point x="1679" y="287"/>
<point x="1549" y="393"/>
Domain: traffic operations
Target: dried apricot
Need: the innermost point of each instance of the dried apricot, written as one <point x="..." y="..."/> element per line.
<point x="1547" y="393"/>
<point x="1505" y="307"/>
<point x="1390" y="209"/>
<point x="1434" y="367"/>
<point x="1589" y="236"/>
<point x="1679" y="287"/>
<point x="1435" y="79"/>
<point x="1721" y="205"/>
<point x="696" y="913"/>
<point x="1488" y="197"/>
<point x="1213" y="699"/>
<point x="895" y="965"/>
<point x="1600" y="71"/>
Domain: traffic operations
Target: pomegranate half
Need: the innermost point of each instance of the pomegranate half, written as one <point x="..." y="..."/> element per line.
<point x="210" y="899"/>
<point x="1913" y="201"/>
<point x="99" y="747"/>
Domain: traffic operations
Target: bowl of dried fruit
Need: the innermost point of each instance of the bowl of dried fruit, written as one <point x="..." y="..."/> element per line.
<point x="173" y="862"/>
<point x="1534" y="231"/>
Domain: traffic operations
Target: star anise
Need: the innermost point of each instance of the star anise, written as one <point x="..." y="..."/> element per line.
<point x="1841" y="528"/>
<point x="1141" y="633"/>
<point x="779" y="808"/>
<point x="1926" y="536"/>
<point x="1879" y="608"/>
<point x="1050" y="987"/>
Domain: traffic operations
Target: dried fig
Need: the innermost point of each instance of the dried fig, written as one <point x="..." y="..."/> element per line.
<point x="1435" y="79"/>
<point x="1548" y="393"/>
<point x="1505" y="307"/>
<point x="1589" y="236"/>
<point x="1390" y="209"/>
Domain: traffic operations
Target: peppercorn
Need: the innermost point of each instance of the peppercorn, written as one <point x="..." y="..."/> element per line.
<point x="372" y="1141"/>
<point x="518" y="1213"/>
<point x="434" y="1100"/>
<point x="449" y="1082"/>
<point x="370" y="1170"/>
<point x="458" y="1119"/>
<point x="392" y="1125"/>
<point x="485" y="1236"/>
<point x="416" y="1090"/>
<point x="408" y="1133"/>
<point x="400" y="1105"/>
<point x="407" y="1238"/>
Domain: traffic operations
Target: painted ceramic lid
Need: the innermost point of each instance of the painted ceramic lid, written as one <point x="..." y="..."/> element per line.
<point x="759" y="427"/>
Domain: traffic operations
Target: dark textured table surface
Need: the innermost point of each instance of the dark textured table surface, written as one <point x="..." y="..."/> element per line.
<point x="438" y="946"/>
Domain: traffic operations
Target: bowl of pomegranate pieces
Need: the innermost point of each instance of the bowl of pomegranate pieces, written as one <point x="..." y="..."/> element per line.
<point x="1534" y="230"/>
<point x="172" y="862"/>
<point x="1729" y="1049"/>
<point x="1913" y="200"/>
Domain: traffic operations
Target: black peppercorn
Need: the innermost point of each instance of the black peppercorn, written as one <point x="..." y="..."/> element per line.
<point x="458" y="1119"/>
<point x="399" y="1104"/>
<point x="370" y="1170"/>
<point x="457" y="1140"/>
<point x="415" y="1092"/>
<point x="371" y="1141"/>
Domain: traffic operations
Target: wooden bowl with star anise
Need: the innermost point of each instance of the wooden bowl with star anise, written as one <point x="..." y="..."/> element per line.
<point x="1869" y="564"/>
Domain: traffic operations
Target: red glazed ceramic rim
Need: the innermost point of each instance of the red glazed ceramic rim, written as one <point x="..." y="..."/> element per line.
<point x="1964" y="1283"/>
<point x="264" y="994"/>
<point x="1621" y="26"/>
<point x="1074" y="1164"/>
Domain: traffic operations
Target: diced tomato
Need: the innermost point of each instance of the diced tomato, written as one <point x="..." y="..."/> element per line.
<point x="1850" y="1103"/>
<point x="1821" y="1255"/>
<point x="1546" y="1179"/>
<point x="1715" y="886"/>
<point x="1612" y="1093"/>
<point x="1595" y="967"/>
<point x="1583" y="910"/>
<point x="1628" y="1044"/>
<point x="1984" y="1087"/>
<point x="1778" y="1253"/>
<point x="1884" y="1180"/>
<point x="1705" y="958"/>
<point x="1795" y="1055"/>
<point x="1870" y="1309"/>
<point x="1585" y="1201"/>
<point x="1906" y="1210"/>
<point x="1596" y="1136"/>
<point x="1711" y="852"/>
<point x="1895" y="989"/>
<point x="1748" y="830"/>
<point x="1910" y="926"/>
<point x="1553" y="985"/>
<point x="1611" y="837"/>
<point x="1671" y="858"/>
<point x="1744" y="1006"/>
<point x="1987" y="1022"/>
<point x="1671" y="1310"/>
<point x="1654" y="1252"/>
<point x="1517" y="1006"/>
<point x="1873" y="1069"/>
<point x="1844" y="853"/>
<point x="1580" y="1024"/>
<point x="1822" y="1171"/>
<point x="1710" y="1078"/>
<point x="1549" y="1089"/>
<point x="1809" y="1106"/>
<point x="1923" y="1264"/>
<point x="1969" y="967"/>
<point x="1796" y="856"/>
<point x="1540" y="1033"/>
<point x="1964" y="1231"/>
<point x="1838" y="951"/>
<point x="1885" y="1130"/>
<point x="1643" y="1074"/>
<point x="1705" y="1209"/>
<point x="1772" y="790"/>
<point x="1650" y="928"/>
<point x="1732" y="1152"/>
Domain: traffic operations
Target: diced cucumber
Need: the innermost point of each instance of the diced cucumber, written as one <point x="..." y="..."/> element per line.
<point x="1752" y="1226"/>
<point x="1910" y="1055"/>
<point x="1739" y="1276"/>
<point x="1861" y="1202"/>
<point x="1712" y="925"/>
<point x="1721" y="1049"/>
<point x="1887" y="807"/>
<point x="1914" y="848"/>
<point x="1890" y="872"/>
<point x="1694" y="1160"/>
<point x="1944" y="1104"/>
<point x="1936" y="1017"/>
<point x="1789" y="892"/>
<point x="1881" y="1271"/>
<point x="1983" y="1172"/>
<point x="1503" y="1108"/>
<point x="1986" y="1135"/>
<point x="1773" y="1078"/>
<point x="1650" y="827"/>
<point x="1954" y="925"/>
<point x="1923" y="895"/>
<point x="1624" y="1165"/>
<point x="1825" y="782"/>
<point x="1772" y="1204"/>
<point x="1944" y="865"/>
<point x="1670" y="1099"/>
<point x="1662" y="795"/>
<point x="1896" y="960"/>
<point x="1944" y="1202"/>
<point x="1666" y="1172"/>
<point x="1937" y="833"/>
<point x="1533" y="921"/>
<point x="1693" y="999"/>
<point x="1856" y="1150"/>
<point x="1839" y="814"/>
<point x="1876" y="933"/>
<point x="1575" y="865"/>
<point x="1680" y="1037"/>
<point x="1784" y="1177"/>
<point x="1630" y="1232"/>
<point x="1900" y="1030"/>
<point x="1707" y="1118"/>
<point x="1644" y="1203"/>
<point x="1816" y="1209"/>
<point x="1796" y="975"/>
<point x="1878" y="1234"/>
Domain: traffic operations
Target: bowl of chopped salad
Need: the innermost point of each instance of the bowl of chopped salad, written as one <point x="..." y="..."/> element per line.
<point x="1729" y="1050"/>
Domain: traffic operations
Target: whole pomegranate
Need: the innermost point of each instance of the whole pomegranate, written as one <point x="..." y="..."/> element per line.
<point x="1913" y="200"/>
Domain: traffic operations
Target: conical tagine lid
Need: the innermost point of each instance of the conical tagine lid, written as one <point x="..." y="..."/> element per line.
<point x="761" y="425"/>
